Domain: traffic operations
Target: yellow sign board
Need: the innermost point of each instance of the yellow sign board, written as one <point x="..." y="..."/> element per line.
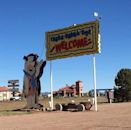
<point x="82" y="39"/>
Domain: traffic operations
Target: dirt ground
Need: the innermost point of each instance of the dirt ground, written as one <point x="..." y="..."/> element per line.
<point x="109" y="117"/>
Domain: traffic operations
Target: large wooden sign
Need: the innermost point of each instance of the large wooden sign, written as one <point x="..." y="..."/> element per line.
<point x="82" y="39"/>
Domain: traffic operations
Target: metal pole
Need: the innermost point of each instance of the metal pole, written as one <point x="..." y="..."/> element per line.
<point x="96" y="15"/>
<point x="51" y="85"/>
<point x="94" y="78"/>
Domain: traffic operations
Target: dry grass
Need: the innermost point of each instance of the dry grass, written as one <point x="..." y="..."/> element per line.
<point x="9" y="107"/>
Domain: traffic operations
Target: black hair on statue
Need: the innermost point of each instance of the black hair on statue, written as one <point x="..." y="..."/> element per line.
<point x="25" y="57"/>
<point x="34" y="55"/>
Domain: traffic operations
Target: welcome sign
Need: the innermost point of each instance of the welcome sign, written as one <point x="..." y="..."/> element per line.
<point x="82" y="39"/>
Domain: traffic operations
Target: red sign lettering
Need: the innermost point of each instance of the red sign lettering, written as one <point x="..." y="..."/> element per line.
<point x="77" y="43"/>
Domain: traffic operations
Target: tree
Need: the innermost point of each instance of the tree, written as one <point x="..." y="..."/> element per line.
<point x="122" y="91"/>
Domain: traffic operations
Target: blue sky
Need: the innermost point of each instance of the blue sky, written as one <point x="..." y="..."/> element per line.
<point x="22" y="31"/>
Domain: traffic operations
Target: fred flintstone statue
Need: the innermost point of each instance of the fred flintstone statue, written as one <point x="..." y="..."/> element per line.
<point x="33" y="70"/>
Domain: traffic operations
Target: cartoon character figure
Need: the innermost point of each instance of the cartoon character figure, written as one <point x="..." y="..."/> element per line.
<point x="33" y="70"/>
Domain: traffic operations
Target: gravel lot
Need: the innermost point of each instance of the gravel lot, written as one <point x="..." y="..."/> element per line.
<point x="109" y="117"/>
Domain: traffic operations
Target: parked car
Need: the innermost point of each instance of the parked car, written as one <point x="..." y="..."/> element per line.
<point x="16" y="98"/>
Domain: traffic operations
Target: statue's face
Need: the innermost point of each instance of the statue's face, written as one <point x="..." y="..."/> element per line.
<point x="30" y="65"/>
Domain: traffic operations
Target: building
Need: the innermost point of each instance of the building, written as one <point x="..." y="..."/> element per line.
<point x="5" y="93"/>
<point x="79" y="88"/>
<point x="70" y="91"/>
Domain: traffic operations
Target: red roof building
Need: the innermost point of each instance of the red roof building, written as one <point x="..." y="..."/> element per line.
<point x="4" y="89"/>
<point x="70" y="91"/>
<point x="5" y="93"/>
